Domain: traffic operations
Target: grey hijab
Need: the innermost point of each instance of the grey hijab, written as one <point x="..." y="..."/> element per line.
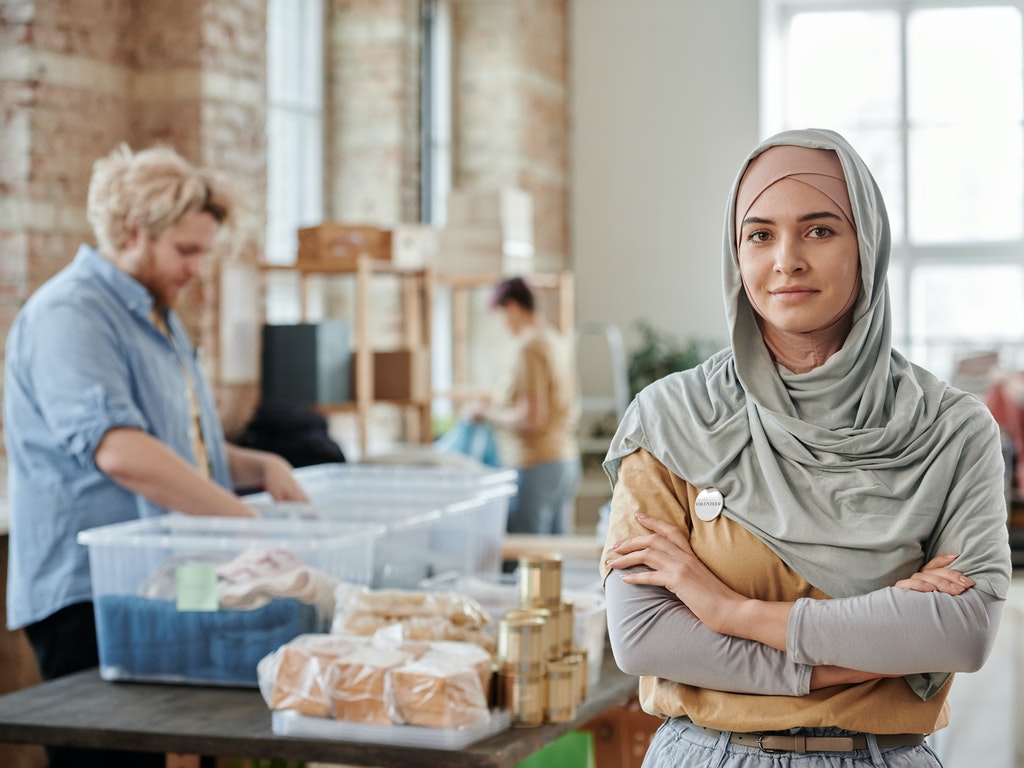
<point x="854" y="473"/>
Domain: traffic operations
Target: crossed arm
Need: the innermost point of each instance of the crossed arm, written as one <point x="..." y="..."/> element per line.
<point x="671" y="617"/>
<point x="661" y="598"/>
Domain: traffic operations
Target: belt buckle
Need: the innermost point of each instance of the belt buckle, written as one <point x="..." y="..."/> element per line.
<point x="763" y="748"/>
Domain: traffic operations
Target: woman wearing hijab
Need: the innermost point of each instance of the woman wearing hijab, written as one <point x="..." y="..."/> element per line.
<point x="785" y="516"/>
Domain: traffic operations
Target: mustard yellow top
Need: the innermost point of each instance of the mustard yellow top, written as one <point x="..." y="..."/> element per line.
<point x="745" y="564"/>
<point x="543" y="369"/>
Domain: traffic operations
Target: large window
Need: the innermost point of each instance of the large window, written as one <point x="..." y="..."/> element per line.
<point x="932" y="96"/>
<point x="436" y="149"/>
<point x="295" y="141"/>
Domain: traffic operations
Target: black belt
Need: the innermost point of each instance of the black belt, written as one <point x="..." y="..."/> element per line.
<point x="773" y="742"/>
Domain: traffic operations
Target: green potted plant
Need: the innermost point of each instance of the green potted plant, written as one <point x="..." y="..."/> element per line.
<point x="660" y="354"/>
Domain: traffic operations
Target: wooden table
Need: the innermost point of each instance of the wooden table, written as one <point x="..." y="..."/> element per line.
<point x="82" y="710"/>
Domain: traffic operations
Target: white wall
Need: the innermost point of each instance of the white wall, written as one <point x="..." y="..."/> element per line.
<point x="664" y="109"/>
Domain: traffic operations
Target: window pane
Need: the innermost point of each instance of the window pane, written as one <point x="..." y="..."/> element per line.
<point x="966" y="183"/>
<point x="294" y="123"/>
<point x="964" y="65"/>
<point x="294" y="189"/>
<point x="880" y="149"/>
<point x="310" y="55"/>
<point x="840" y="69"/>
<point x="282" y="29"/>
<point x="282" y="186"/>
<point x="956" y="308"/>
<point x="283" y="292"/>
<point x="295" y="52"/>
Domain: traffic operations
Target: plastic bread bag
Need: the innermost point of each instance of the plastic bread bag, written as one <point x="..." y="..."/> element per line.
<point x="382" y="680"/>
<point x="295" y="675"/>
<point x="421" y="615"/>
<point x="357" y="684"/>
<point x="447" y="687"/>
<point x="355" y="604"/>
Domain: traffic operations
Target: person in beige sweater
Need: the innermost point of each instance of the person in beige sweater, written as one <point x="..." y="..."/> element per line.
<point x="535" y="412"/>
<point x="808" y="532"/>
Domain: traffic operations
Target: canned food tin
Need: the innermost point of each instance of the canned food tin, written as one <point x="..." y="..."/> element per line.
<point x="566" y="626"/>
<point x="577" y="657"/>
<point x="523" y="642"/>
<point x="539" y="581"/>
<point x="525" y="697"/>
<point x="551" y="637"/>
<point x="561" y="693"/>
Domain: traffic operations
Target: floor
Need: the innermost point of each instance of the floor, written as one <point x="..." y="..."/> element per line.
<point x="987" y="707"/>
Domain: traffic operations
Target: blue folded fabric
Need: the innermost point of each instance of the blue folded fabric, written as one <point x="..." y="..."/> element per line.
<point x="472" y="438"/>
<point x="146" y="639"/>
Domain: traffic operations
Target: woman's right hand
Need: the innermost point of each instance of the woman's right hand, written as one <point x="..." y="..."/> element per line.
<point x="936" y="576"/>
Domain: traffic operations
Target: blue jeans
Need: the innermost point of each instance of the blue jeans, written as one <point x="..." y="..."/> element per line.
<point x="677" y="744"/>
<point x="546" y="493"/>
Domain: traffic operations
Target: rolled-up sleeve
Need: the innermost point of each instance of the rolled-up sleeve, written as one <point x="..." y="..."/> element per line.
<point x="77" y="370"/>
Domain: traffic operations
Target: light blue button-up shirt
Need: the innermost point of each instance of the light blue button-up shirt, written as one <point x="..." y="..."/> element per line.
<point x="83" y="357"/>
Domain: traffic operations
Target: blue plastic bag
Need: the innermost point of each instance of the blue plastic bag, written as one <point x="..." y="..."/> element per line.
<point x="471" y="438"/>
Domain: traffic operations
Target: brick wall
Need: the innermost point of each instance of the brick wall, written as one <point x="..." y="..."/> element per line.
<point x="79" y="76"/>
<point x="511" y="109"/>
<point x="373" y="94"/>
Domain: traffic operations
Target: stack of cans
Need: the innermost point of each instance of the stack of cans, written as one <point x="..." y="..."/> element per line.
<point x="542" y="676"/>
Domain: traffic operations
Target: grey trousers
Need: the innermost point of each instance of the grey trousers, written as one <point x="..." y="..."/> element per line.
<point x="678" y="744"/>
<point x="546" y="494"/>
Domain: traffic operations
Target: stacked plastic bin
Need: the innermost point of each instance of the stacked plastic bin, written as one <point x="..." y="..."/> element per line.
<point x="438" y="520"/>
<point x="187" y="599"/>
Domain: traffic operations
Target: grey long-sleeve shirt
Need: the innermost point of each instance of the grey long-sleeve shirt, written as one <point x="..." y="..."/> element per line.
<point x="890" y="631"/>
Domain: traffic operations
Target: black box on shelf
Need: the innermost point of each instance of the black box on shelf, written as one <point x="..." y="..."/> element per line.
<point x="307" y="363"/>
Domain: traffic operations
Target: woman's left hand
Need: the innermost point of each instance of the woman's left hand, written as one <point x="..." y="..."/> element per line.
<point x="937" y="576"/>
<point x="672" y="564"/>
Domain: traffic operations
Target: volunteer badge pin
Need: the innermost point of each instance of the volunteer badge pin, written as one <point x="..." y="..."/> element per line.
<point x="709" y="504"/>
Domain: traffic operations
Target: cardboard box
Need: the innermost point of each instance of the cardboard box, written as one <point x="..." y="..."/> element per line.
<point x="509" y="210"/>
<point x="307" y="363"/>
<point x="402" y="374"/>
<point x="414" y="246"/>
<point x="481" y="250"/>
<point x="339" y="246"/>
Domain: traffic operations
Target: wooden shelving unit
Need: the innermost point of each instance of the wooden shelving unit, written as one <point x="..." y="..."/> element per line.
<point x="418" y="289"/>
<point x="560" y="283"/>
<point x="417" y="298"/>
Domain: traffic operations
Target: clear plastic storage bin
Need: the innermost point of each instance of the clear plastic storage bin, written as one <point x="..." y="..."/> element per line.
<point x="462" y="482"/>
<point x="188" y="599"/>
<point x="425" y="536"/>
<point x="475" y="505"/>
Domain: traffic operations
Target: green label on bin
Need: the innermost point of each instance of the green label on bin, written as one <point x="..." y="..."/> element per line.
<point x="197" y="587"/>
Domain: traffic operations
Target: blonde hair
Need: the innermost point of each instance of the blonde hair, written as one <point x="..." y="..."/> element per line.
<point x="152" y="189"/>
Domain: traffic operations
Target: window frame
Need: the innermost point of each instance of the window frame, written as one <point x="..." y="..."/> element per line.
<point x="907" y="257"/>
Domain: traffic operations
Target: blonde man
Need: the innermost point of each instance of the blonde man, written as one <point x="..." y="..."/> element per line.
<point x="107" y="416"/>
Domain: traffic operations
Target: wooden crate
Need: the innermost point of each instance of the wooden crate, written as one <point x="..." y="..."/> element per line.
<point x="338" y="246"/>
<point x="622" y="735"/>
